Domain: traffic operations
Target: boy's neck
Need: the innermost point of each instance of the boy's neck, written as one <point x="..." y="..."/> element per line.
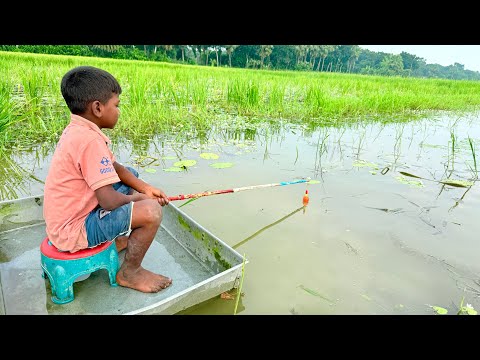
<point x="92" y="118"/>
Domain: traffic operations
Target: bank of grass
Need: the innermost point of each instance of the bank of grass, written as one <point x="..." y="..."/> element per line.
<point x="164" y="97"/>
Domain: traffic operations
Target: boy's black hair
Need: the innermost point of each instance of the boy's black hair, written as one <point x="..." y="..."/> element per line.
<point x="84" y="84"/>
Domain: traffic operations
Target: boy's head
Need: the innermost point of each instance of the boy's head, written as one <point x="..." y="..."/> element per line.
<point x="85" y="84"/>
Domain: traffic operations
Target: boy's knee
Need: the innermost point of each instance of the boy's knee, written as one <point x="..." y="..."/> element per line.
<point x="153" y="211"/>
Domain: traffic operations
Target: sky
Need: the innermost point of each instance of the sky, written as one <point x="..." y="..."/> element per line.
<point x="468" y="55"/>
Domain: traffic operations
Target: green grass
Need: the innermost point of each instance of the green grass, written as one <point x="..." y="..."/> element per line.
<point x="164" y="97"/>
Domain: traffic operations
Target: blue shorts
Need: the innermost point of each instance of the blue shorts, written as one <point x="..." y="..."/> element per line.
<point x="103" y="225"/>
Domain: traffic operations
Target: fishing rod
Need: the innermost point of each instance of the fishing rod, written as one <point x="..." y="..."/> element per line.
<point x="226" y="191"/>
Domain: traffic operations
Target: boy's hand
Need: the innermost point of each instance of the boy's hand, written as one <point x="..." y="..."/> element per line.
<point x="154" y="192"/>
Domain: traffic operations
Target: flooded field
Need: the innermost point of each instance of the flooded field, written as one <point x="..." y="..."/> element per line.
<point x="373" y="239"/>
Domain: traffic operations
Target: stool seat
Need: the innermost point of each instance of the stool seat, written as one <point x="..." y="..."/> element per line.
<point x="63" y="267"/>
<point x="49" y="250"/>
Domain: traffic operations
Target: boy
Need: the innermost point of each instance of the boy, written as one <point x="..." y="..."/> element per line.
<point x="89" y="197"/>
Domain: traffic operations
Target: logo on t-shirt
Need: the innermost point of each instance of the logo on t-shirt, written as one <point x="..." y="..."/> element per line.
<point x="106" y="162"/>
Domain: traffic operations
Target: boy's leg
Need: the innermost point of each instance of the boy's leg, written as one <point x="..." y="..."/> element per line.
<point x="146" y="219"/>
<point x="121" y="241"/>
<point x="102" y="225"/>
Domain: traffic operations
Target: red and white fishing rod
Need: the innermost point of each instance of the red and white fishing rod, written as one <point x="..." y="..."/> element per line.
<point x="226" y="191"/>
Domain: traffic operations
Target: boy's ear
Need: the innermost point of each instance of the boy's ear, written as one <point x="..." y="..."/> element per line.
<point x="96" y="107"/>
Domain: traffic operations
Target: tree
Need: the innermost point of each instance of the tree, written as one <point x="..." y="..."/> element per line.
<point x="243" y="54"/>
<point x="411" y="62"/>
<point x="354" y="51"/>
<point x="283" y="57"/>
<point x="323" y="52"/>
<point x="264" y="51"/>
<point x="301" y="52"/>
<point x="107" y="48"/>
<point x="314" y="51"/>
<point x="230" y="49"/>
<point x="391" y="65"/>
<point x="183" y="48"/>
<point x="217" y="49"/>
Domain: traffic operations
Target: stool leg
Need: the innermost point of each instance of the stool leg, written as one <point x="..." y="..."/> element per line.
<point x="114" y="266"/>
<point x="62" y="289"/>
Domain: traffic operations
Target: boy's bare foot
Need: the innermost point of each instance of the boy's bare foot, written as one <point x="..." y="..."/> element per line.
<point x="142" y="280"/>
<point x="121" y="243"/>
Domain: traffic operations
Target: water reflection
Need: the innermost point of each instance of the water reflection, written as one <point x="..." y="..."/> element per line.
<point x="15" y="178"/>
<point x="268" y="226"/>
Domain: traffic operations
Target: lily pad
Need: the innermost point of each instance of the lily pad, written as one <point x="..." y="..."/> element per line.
<point x="440" y="310"/>
<point x="221" y="165"/>
<point x="185" y="163"/>
<point x="150" y="170"/>
<point x="363" y="163"/>
<point x="173" y="169"/>
<point x="310" y="182"/>
<point x="467" y="310"/>
<point x="169" y="157"/>
<point x="209" y="156"/>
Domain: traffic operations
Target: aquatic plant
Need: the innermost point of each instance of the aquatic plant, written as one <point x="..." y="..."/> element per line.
<point x="450" y="182"/>
<point x="209" y="156"/>
<point x="179" y="98"/>
<point x="462" y="309"/>
<point x="472" y="149"/>
<point x="451" y="158"/>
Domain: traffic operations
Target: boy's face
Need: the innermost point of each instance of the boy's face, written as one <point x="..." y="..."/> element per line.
<point x="110" y="112"/>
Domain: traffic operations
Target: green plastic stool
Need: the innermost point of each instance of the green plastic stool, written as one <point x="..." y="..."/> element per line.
<point x="62" y="268"/>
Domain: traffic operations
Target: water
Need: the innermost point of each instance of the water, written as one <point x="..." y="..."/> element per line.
<point x="367" y="243"/>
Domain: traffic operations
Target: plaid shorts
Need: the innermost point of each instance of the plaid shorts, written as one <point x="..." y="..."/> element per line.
<point x="106" y="225"/>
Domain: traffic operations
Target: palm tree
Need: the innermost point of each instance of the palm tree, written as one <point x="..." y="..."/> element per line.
<point x="354" y="53"/>
<point x="182" y="49"/>
<point x="107" y="48"/>
<point x="301" y="53"/>
<point x="230" y="50"/>
<point x="324" y="50"/>
<point x="265" y="51"/>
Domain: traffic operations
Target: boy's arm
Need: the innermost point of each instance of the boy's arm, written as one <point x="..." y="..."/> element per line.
<point x="141" y="186"/>
<point x="109" y="199"/>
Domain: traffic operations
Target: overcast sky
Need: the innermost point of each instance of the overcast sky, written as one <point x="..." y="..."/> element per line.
<point x="468" y="55"/>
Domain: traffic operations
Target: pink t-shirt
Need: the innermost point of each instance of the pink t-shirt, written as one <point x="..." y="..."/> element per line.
<point x="82" y="163"/>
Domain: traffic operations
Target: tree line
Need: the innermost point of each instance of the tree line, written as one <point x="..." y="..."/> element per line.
<point x="321" y="58"/>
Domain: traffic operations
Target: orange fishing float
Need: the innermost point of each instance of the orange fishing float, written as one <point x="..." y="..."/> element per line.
<point x="305" y="198"/>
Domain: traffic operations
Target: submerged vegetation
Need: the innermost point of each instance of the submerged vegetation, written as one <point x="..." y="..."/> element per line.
<point x="189" y="99"/>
